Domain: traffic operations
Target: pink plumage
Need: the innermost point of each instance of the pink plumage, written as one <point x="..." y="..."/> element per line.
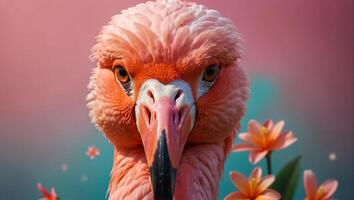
<point x="169" y="91"/>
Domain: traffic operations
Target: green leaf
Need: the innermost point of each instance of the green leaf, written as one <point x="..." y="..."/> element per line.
<point x="287" y="179"/>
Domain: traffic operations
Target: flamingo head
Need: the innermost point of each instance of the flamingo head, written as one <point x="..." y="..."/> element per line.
<point x="168" y="74"/>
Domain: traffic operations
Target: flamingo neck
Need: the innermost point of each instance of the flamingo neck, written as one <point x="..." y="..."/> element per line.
<point x="198" y="174"/>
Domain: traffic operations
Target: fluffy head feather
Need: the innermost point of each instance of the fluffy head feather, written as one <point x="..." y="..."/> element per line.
<point x="168" y="40"/>
<point x="169" y="33"/>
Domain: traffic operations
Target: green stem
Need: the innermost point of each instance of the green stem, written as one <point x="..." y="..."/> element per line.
<point x="269" y="162"/>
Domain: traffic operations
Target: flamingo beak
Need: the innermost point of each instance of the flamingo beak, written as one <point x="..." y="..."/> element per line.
<point x="165" y="115"/>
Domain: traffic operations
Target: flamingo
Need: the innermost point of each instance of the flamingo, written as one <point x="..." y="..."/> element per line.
<point x="168" y="92"/>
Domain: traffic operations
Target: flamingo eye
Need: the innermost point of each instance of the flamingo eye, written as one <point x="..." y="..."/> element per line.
<point x="208" y="78"/>
<point x="121" y="74"/>
<point x="210" y="73"/>
<point x="122" y="77"/>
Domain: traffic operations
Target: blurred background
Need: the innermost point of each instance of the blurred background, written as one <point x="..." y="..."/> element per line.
<point x="299" y="56"/>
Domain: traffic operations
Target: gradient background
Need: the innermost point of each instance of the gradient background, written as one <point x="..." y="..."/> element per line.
<point x="299" y="56"/>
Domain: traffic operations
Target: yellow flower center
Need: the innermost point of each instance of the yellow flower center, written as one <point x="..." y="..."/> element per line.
<point x="320" y="193"/>
<point x="253" y="187"/>
<point x="265" y="134"/>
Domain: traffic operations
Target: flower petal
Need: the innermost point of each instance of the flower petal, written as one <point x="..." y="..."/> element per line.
<point x="269" y="195"/>
<point x="246" y="136"/>
<point x="254" y="126"/>
<point x="235" y="196"/>
<point x="261" y="197"/>
<point x="42" y="190"/>
<point x="275" y="131"/>
<point x="310" y="184"/>
<point x="284" y="140"/>
<point x="243" y="147"/>
<point x="54" y="194"/>
<point x="256" y="174"/>
<point x="265" y="183"/>
<point x="256" y="156"/>
<point x="268" y="124"/>
<point x="329" y="187"/>
<point x="240" y="181"/>
<point x="251" y="138"/>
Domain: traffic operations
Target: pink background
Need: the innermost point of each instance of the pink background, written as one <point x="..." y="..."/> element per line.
<point x="305" y="49"/>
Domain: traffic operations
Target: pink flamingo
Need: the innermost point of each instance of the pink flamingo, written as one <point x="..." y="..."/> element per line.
<point x="168" y="92"/>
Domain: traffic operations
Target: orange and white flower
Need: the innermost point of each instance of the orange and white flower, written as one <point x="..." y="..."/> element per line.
<point x="255" y="187"/>
<point x="261" y="140"/>
<point x="323" y="192"/>
<point x="92" y="152"/>
<point x="46" y="195"/>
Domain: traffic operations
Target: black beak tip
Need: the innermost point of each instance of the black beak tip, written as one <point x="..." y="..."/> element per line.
<point x="163" y="176"/>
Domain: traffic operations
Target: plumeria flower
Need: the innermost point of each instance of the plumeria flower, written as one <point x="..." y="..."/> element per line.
<point x="255" y="187"/>
<point x="46" y="195"/>
<point x="92" y="152"/>
<point x="323" y="192"/>
<point x="261" y="140"/>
